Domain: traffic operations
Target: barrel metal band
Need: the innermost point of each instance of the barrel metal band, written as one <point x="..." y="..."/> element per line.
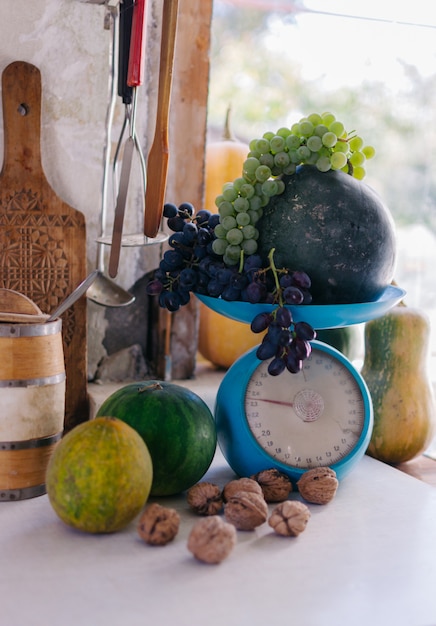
<point x="34" y="382"/>
<point x="22" y="494"/>
<point x="31" y="330"/>
<point x="30" y="443"/>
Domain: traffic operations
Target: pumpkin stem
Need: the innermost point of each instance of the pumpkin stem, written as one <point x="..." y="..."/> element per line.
<point x="227" y="131"/>
<point x="401" y="303"/>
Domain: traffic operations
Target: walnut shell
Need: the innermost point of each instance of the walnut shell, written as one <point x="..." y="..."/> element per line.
<point x="211" y="540"/>
<point x="289" y="518"/>
<point x="205" y="498"/>
<point x="246" y="510"/>
<point x="318" y="485"/>
<point x="241" y="484"/>
<point x="158" y="525"/>
<point x="276" y="486"/>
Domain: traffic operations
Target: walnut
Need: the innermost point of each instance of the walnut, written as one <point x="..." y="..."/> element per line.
<point x="241" y="484"/>
<point x="205" y="498"/>
<point x="246" y="510"/>
<point x="276" y="486"/>
<point x="158" y="525"/>
<point x="318" y="485"/>
<point x="289" y="518"/>
<point x="211" y="539"/>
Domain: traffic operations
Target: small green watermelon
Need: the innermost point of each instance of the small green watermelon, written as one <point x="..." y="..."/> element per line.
<point x="177" y="427"/>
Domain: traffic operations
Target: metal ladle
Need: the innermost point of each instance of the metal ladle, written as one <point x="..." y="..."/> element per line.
<point x="74" y="296"/>
<point x="103" y="290"/>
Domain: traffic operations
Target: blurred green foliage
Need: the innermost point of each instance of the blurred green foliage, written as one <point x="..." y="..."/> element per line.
<point x="266" y="89"/>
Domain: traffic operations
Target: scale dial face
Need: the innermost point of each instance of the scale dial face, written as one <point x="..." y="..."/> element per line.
<point x="316" y="418"/>
<point x="321" y="416"/>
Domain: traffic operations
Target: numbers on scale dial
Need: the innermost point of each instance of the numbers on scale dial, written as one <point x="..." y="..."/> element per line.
<point x="308" y="419"/>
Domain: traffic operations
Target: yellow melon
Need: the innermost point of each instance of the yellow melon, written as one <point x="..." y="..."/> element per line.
<point x="99" y="476"/>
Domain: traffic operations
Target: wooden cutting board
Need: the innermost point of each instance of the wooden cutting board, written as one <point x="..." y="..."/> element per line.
<point x="42" y="239"/>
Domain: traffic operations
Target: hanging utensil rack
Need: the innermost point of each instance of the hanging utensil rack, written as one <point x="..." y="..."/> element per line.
<point x="120" y="65"/>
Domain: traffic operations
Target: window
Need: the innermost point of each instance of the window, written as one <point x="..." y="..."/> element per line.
<point x="373" y="65"/>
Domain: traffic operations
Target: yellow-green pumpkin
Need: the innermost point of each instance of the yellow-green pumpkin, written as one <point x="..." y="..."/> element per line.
<point x="396" y="371"/>
<point x="222" y="340"/>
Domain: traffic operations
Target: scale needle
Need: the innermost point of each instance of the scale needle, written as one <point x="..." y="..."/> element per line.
<point x="275" y="401"/>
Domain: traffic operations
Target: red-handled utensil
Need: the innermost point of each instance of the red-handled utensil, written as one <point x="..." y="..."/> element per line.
<point x="135" y="73"/>
<point x="157" y="162"/>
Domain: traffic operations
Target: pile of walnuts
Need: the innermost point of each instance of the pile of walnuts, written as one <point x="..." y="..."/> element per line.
<point x="244" y="502"/>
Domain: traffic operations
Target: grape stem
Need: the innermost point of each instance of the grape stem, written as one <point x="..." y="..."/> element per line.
<point x="241" y="262"/>
<point x="275" y="274"/>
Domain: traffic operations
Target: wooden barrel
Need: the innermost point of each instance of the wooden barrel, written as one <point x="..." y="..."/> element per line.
<point x="32" y="405"/>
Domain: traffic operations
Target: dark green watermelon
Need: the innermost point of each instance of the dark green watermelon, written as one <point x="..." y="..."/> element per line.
<point x="336" y="229"/>
<point x="177" y="427"/>
<point x="347" y="340"/>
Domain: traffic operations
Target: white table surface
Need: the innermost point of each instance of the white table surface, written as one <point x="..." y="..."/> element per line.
<point x="367" y="558"/>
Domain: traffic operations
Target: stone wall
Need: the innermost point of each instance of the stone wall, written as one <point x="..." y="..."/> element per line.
<point x="69" y="42"/>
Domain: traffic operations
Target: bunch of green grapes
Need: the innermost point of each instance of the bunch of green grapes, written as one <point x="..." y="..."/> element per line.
<point x="319" y="140"/>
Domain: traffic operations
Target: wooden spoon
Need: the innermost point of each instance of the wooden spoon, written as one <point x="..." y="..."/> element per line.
<point x="157" y="162"/>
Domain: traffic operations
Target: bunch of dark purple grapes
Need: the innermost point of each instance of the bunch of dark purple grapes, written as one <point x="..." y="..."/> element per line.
<point x="191" y="266"/>
<point x="179" y="273"/>
<point x="286" y="343"/>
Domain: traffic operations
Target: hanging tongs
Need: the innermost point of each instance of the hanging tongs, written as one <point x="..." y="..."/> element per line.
<point x="131" y="47"/>
<point x="158" y="156"/>
<point x="124" y="91"/>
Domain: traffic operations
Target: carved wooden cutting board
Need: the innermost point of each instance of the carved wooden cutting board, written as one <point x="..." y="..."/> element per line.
<point x="42" y="239"/>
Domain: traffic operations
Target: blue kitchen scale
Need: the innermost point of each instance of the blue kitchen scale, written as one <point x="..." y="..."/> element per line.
<point x="321" y="416"/>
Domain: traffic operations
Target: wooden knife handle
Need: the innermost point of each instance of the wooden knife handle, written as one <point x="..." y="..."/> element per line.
<point x="167" y="47"/>
<point x="158" y="156"/>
